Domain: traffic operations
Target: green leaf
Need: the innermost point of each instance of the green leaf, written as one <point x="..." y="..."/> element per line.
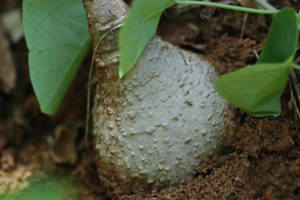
<point x="49" y="188"/>
<point x="138" y="29"/>
<point x="56" y="33"/>
<point x="281" y="43"/>
<point x="256" y="89"/>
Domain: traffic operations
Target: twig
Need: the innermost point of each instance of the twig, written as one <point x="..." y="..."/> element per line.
<point x="244" y="25"/>
<point x="295" y="91"/>
<point x="264" y="4"/>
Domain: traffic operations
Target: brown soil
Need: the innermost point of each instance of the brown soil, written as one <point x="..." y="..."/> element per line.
<point x="259" y="158"/>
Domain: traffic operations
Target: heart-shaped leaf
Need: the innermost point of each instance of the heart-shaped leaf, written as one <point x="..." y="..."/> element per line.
<point x="256" y="89"/>
<point x="281" y="43"/>
<point x="138" y="29"/>
<point x="56" y="33"/>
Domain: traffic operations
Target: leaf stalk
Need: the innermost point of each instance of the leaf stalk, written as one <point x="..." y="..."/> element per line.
<point x="228" y="7"/>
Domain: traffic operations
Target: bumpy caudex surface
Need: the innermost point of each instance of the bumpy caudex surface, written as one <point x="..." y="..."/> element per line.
<point x="155" y="126"/>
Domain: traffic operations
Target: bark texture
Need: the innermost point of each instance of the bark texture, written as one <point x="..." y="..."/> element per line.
<point x="154" y="127"/>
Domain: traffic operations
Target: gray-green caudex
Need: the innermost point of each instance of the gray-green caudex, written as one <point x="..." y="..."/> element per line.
<point x="155" y="126"/>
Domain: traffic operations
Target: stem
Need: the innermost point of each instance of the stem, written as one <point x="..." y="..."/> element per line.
<point x="264" y="4"/>
<point x="267" y="6"/>
<point x="228" y="7"/>
<point x="295" y="66"/>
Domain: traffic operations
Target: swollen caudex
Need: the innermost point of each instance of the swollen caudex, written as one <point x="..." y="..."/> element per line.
<point x="154" y="127"/>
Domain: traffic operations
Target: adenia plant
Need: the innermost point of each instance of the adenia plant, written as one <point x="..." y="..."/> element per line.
<point x="154" y="126"/>
<point x="156" y="112"/>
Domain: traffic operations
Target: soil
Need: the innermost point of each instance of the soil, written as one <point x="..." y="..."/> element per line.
<point x="258" y="159"/>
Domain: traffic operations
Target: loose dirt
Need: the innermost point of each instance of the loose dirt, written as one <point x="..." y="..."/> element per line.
<point x="258" y="159"/>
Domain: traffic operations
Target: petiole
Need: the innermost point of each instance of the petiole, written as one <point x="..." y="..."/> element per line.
<point x="228" y="7"/>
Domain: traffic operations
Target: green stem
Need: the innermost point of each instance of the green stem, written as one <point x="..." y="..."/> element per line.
<point x="226" y="6"/>
<point x="295" y="66"/>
